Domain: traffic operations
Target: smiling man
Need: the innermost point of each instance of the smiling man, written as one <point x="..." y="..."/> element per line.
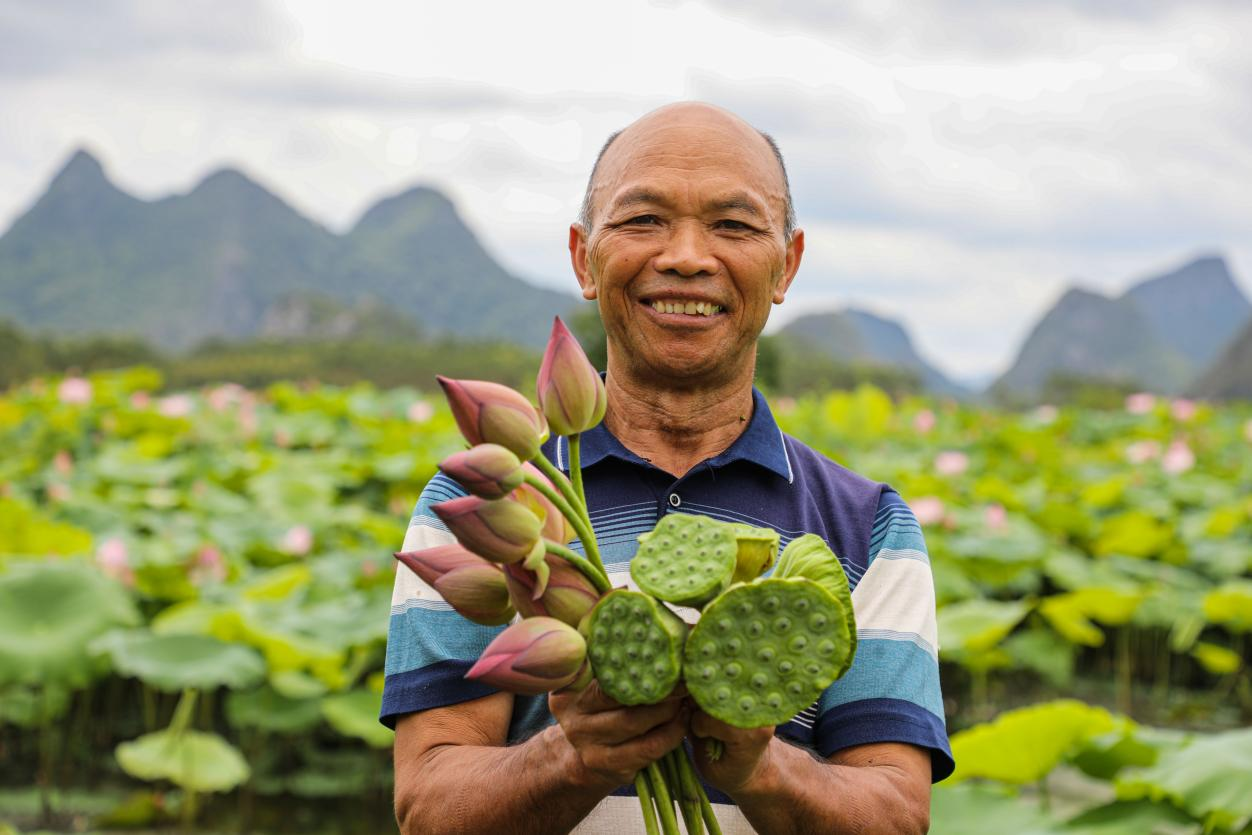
<point x="686" y="240"/>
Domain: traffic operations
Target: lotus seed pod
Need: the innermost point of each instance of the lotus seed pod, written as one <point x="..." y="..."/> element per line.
<point x="685" y="560"/>
<point x="810" y="557"/>
<point x="764" y="651"/>
<point x="636" y="647"/>
<point x="758" y="548"/>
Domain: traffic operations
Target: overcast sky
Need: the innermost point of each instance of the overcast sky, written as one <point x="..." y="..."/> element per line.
<point x="955" y="164"/>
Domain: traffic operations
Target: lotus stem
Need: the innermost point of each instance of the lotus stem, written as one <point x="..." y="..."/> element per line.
<point x="664" y="803"/>
<point x="183" y="712"/>
<point x="645" y="803"/>
<point x="691" y="781"/>
<point x="688" y="803"/>
<point x="576" y="470"/>
<point x="582" y="525"/>
<point x="581" y="563"/>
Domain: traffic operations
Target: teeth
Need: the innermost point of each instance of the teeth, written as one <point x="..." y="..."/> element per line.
<point x="688" y="308"/>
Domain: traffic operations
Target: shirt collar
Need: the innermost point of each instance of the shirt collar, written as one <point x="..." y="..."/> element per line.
<point x="761" y="444"/>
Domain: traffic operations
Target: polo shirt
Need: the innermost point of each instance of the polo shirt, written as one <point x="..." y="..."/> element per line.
<point x="765" y="478"/>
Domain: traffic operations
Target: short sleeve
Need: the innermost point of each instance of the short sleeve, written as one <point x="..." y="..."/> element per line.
<point x="891" y="692"/>
<point x="429" y="646"/>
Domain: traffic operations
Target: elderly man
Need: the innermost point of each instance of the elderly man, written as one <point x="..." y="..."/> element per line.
<point x="685" y="241"/>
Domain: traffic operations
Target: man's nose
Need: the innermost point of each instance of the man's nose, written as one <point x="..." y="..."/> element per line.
<point x="687" y="251"/>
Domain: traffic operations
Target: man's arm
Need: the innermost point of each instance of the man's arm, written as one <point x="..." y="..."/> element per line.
<point x="784" y="790"/>
<point x="454" y="773"/>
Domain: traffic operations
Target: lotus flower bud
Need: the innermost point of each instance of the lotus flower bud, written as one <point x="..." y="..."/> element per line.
<point x="495" y="414"/>
<point x="555" y="526"/>
<point x="533" y="656"/>
<point x="500" y="531"/>
<point x="473" y="586"/>
<point x="489" y="471"/>
<point x="758" y="548"/>
<point x="569" y="595"/>
<point x="570" y="390"/>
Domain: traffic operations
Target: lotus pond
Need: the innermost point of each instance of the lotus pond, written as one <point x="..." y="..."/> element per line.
<point x="194" y="590"/>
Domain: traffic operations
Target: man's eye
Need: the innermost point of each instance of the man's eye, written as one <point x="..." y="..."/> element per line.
<point x="736" y="225"/>
<point x="643" y="220"/>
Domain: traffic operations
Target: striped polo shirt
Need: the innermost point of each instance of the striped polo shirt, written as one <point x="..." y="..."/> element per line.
<point x="765" y="478"/>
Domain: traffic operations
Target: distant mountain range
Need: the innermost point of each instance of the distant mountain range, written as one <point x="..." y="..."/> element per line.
<point x="89" y="258"/>
<point x="1161" y="334"/>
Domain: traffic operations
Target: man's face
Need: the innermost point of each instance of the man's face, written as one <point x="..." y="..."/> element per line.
<point x="687" y="249"/>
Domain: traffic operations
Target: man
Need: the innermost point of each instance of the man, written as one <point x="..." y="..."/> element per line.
<point x="685" y="241"/>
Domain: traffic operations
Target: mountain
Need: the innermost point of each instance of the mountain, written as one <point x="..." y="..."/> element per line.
<point x="857" y="337"/>
<point x="312" y="317"/>
<point x="1158" y="334"/>
<point x="89" y="258"/>
<point x="1231" y="375"/>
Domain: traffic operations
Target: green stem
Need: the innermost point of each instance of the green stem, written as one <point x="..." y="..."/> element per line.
<point x="664" y="803"/>
<point x="573" y="558"/>
<point x="582" y="526"/>
<point x="689" y="804"/>
<point x="645" y="803"/>
<point x="182" y="714"/>
<point x="693" y="786"/>
<point x="576" y="470"/>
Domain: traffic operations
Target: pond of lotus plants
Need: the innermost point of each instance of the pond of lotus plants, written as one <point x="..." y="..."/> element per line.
<point x="195" y="587"/>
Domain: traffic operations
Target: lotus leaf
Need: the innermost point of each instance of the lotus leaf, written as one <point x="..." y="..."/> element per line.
<point x="294" y="684"/>
<point x="177" y="662"/>
<point x="1135" y="533"/>
<point x="1045" y="653"/>
<point x="1021" y="746"/>
<point x="1210" y="779"/>
<point x="195" y="761"/>
<point x="973" y="809"/>
<point x="1231" y="605"/>
<point x="268" y="710"/>
<point x="1218" y="660"/>
<point x="1135" y="817"/>
<point x="24" y="530"/>
<point x="48" y="615"/>
<point x="355" y="713"/>
<point x="976" y="626"/>
<point x="1128" y="745"/>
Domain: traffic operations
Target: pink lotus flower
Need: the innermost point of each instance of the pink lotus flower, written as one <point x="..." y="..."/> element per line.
<point x="488" y="471"/>
<point x="532" y="657"/>
<point x="495" y="414"/>
<point x="924" y="421"/>
<point x="785" y="405"/>
<point x="1183" y="410"/>
<point x="74" y="391"/>
<point x="420" y="411"/>
<point x="996" y="517"/>
<point x="209" y="565"/>
<point x="140" y="400"/>
<point x="1046" y="414"/>
<point x="569" y="388"/>
<point x="62" y="462"/>
<point x="1247" y="430"/>
<point x="1140" y="403"/>
<point x="1178" y="458"/>
<point x="928" y="510"/>
<point x="113" y="560"/>
<point x="951" y="463"/>
<point x="297" y="541"/>
<point x="1140" y="452"/>
<point x="568" y="596"/>
<point x="555" y="526"/>
<point x="59" y="492"/>
<point x="500" y="531"/>
<point x="175" y="406"/>
<point x="470" y="584"/>
<point x="226" y="395"/>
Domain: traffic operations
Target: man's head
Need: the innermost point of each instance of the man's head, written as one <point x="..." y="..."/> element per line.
<point x="688" y="209"/>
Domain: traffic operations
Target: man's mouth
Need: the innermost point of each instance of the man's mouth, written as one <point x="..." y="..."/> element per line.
<point x="685" y="306"/>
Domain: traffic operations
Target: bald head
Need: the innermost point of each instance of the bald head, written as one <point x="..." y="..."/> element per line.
<point x="688" y="114"/>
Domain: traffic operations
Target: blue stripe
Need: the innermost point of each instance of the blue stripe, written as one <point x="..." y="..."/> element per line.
<point x="886" y="720"/>
<point x="886" y="668"/>
<point x="437" y="685"/>
<point x="420" y="637"/>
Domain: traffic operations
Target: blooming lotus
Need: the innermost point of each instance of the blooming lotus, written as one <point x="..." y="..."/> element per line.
<point x="570" y="390"/>
<point x="568" y="596"/>
<point x="531" y="657"/>
<point x="489" y="471"/>
<point x="497" y="530"/>
<point x="495" y="414"/>
<point x="470" y="584"/>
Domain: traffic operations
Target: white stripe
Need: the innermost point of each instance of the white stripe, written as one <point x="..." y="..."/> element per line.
<point x="618" y="815"/>
<point x="902" y="554"/>
<point x="560" y="459"/>
<point x="791" y="476"/>
<point x="897" y="596"/>
<point x="409" y="587"/>
<point x="893" y="635"/>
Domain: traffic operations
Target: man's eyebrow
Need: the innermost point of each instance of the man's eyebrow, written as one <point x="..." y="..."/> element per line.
<point x="740" y="201"/>
<point x="636" y="196"/>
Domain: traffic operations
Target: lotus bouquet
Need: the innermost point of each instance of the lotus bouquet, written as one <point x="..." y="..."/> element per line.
<point x="762" y="650"/>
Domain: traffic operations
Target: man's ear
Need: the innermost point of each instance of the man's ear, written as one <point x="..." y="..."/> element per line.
<point x="578" y="259"/>
<point x="795" y="252"/>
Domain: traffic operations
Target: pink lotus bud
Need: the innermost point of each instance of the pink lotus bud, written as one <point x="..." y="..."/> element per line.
<point x="568" y="597"/>
<point x="488" y="470"/>
<point x="555" y="526"/>
<point x="951" y="463"/>
<point x="996" y="517"/>
<point x="500" y="531"/>
<point x="473" y="586"/>
<point x="534" y="656"/>
<point x="297" y="541"/>
<point x="1178" y="458"/>
<point x="924" y="421"/>
<point x="570" y="390"/>
<point x="1140" y="403"/>
<point x="74" y="390"/>
<point x="1141" y="452"/>
<point x="176" y="405"/>
<point x="420" y="411"/>
<point x="495" y="414"/>
<point x="1183" y="410"/>
<point x="928" y="510"/>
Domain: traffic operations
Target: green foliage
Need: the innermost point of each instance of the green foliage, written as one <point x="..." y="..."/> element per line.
<point x="177" y="662"/>
<point x="192" y="760"/>
<point x="1022" y="746"/>
<point x="1210" y="779"/>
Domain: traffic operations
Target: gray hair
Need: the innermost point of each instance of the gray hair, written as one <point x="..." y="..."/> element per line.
<point x="789" y="209"/>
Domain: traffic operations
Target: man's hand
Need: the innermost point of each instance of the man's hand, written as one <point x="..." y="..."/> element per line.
<point x="745" y="755"/>
<point x="614" y="741"/>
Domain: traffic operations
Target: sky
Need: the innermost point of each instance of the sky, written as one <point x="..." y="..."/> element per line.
<point x="956" y="165"/>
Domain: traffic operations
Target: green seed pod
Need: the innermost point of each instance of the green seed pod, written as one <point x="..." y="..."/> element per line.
<point x="636" y="647"/>
<point x="810" y="557"/>
<point x="685" y="560"/>
<point x="764" y="651"/>
<point x="758" y="548"/>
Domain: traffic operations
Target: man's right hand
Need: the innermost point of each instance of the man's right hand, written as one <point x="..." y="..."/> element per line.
<point x="612" y="740"/>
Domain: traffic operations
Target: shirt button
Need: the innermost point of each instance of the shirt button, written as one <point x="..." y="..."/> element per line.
<point x="674" y="501"/>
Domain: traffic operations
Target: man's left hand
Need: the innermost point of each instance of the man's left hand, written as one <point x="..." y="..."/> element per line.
<point x="745" y="757"/>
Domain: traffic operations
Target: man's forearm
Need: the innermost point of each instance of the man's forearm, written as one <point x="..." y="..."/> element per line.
<point x="521" y="789"/>
<point x="799" y="795"/>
